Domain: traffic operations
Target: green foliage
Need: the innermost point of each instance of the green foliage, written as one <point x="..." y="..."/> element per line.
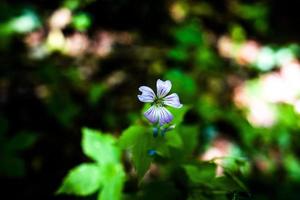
<point x="186" y="36"/>
<point x="189" y="136"/>
<point x="256" y="13"/>
<point x="96" y="92"/>
<point x="114" y="181"/>
<point x="83" y="180"/>
<point x="178" y="53"/>
<point x="106" y="174"/>
<point x="12" y="165"/>
<point x="22" y="141"/>
<point x="138" y="140"/>
<point x="179" y="114"/>
<point x="189" y="34"/>
<point x="292" y="165"/>
<point x="82" y="21"/>
<point x="63" y="108"/>
<point x="205" y="183"/>
<point x="100" y="147"/>
<point x="187" y="90"/>
<point x="87" y="71"/>
<point x="237" y="33"/>
<point x="203" y="173"/>
<point x="208" y="108"/>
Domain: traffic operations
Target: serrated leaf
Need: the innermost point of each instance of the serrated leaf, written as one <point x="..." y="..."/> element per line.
<point x="100" y="147"/>
<point x="83" y="180"/>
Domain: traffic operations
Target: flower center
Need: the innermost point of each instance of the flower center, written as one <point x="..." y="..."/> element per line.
<point x="158" y="102"/>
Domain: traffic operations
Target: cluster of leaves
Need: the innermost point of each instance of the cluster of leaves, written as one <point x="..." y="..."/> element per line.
<point x="106" y="173"/>
<point x="172" y="154"/>
<point x="69" y="93"/>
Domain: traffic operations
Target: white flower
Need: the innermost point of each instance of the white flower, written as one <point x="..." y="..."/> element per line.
<point x="157" y="112"/>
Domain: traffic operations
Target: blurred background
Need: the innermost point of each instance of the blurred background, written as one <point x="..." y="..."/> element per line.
<point x="66" y="64"/>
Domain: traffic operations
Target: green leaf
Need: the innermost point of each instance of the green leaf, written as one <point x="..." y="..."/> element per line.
<point x="138" y="140"/>
<point x="178" y="53"/>
<point x="189" y="35"/>
<point x="129" y="137"/>
<point x="82" y="21"/>
<point x="140" y="156"/>
<point x="178" y="114"/>
<point x="226" y="183"/>
<point x="100" y="147"/>
<point x="173" y="139"/>
<point x="96" y="92"/>
<point x="201" y="173"/>
<point x="22" y="141"/>
<point x="189" y="135"/>
<point x="114" y="180"/>
<point x="292" y="165"/>
<point x="83" y="180"/>
<point x="183" y="84"/>
<point x="208" y="107"/>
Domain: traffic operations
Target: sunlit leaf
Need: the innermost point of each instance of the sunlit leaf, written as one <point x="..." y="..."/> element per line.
<point x="100" y="147"/>
<point x="114" y="180"/>
<point x="83" y="180"/>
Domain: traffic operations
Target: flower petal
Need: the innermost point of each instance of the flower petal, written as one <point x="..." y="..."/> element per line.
<point x="163" y="88"/>
<point x="147" y="94"/>
<point x="172" y="100"/>
<point x="164" y="116"/>
<point x="151" y="114"/>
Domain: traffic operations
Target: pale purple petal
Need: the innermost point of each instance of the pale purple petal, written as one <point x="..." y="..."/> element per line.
<point x="163" y="88"/>
<point x="164" y="116"/>
<point x="172" y="100"/>
<point x="147" y="94"/>
<point x="151" y="114"/>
